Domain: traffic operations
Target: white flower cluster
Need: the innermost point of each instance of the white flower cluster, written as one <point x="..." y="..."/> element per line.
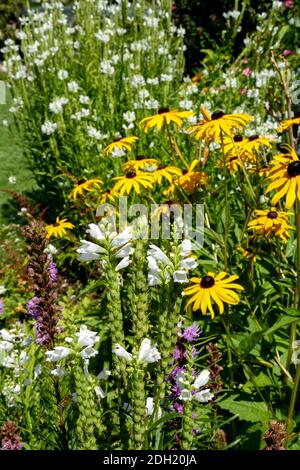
<point x="147" y="354"/>
<point x="190" y="391"/>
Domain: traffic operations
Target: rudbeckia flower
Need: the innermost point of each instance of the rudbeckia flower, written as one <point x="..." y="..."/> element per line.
<point x="218" y="288"/>
<point x="164" y="116"/>
<point x="141" y="163"/>
<point x="89" y="186"/>
<point x="133" y="181"/>
<point x="59" y="229"/>
<point x="285" y="174"/>
<point x="108" y="196"/>
<point x="232" y="163"/>
<point x="284" y="125"/>
<point x="121" y="144"/>
<point x="271" y="222"/>
<point x="191" y="179"/>
<point x="254" y="142"/>
<point x="213" y="125"/>
<point x="167" y="172"/>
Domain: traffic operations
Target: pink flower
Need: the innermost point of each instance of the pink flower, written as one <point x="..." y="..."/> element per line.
<point x="288" y="4"/>
<point x="287" y="52"/>
<point x="247" y="72"/>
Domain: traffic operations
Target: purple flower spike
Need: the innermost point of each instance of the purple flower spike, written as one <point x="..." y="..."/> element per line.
<point x="191" y="333"/>
<point x="1" y="307"/>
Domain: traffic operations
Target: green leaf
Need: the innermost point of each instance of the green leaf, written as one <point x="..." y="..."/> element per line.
<point x="246" y="410"/>
<point x="249" y="342"/>
<point x="283" y="321"/>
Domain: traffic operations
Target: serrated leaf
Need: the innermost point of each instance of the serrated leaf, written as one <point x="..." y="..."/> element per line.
<point x="246" y="410"/>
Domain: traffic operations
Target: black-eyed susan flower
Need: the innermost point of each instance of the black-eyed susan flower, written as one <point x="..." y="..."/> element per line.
<point x="215" y="124"/>
<point x="284" y="125"/>
<point x="141" y="163"/>
<point x="133" y="181"/>
<point x="285" y="173"/>
<point x="167" y="172"/>
<point x="232" y="162"/>
<point x="213" y="287"/>
<point x="88" y="186"/>
<point x="108" y="196"/>
<point x="59" y="228"/>
<point x="124" y="143"/>
<point x="255" y="142"/>
<point x="190" y="179"/>
<point x="271" y="222"/>
<point x="165" y="116"/>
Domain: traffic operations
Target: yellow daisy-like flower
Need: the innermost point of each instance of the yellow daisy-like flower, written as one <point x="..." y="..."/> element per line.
<point x="218" y="288"/>
<point x="191" y="179"/>
<point x="121" y="144"/>
<point x="165" y="116"/>
<point x="141" y="163"/>
<point x="133" y="181"/>
<point x="89" y="186"/>
<point x="167" y="172"/>
<point x="59" y="229"/>
<point x="167" y="207"/>
<point x="285" y="173"/>
<point x="254" y="142"/>
<point x="264" y="171"/>
<point x="215" y="124"/>
<point x="231" y="162"/>
<point x="108" y="196"/>
<point x="284" y="125"/>
<point x="271" y="222"/>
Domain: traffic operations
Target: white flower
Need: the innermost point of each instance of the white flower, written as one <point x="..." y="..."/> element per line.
<point x="186" y="248"/>
<point x="185" y="395"/>
<point x="99" y="392"/>
<point x="88" y="352"/>
<point x="123" y="263"/>
<point x="158" y="254"/>
<point x="62" y="74"/>
<point x="73" y="87"/>
<point x="2" y="290"/>
<point x="121" y="352"/>
<point x="95" y="232"/>
<point x="202" y="379"/>
<point x="48" y="127"/>
<point x="117" y="153"/>
<point x="86" y="337"/>
<point x="147" y="353"/>
<point x="58" y="353"/>
<point x="104" y="374"/>
<point x="129" y="116"/>
<point x="5" y="123"/>
<point x="58" y="372"/>
<point x="124" y="237"/>
<point x="150" y="408"/>
<point x="56" y="106"/>
<point x="89" y="251"/>
<point x="180" y="276"/>
<point x="12" y="179"/>
<point x="189" y="263"/>
<point x="204" y="396"/>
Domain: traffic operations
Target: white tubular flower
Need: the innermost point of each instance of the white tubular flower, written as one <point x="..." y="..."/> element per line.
<point x="86" y="337"/>
<point x="95" y="232"/>
<point x="104" y="374"/>
<point x="99" y="392"/>
<point x="180" y="276"/>
<point x="89" y="251"/>
<point x="202" y="379"/>
<point x="121" y="352"/>
<point x="186" y="248"/>
<point x="186" y="395"/>
<point x="189" y="263"/>
<point x="58" y="353"/>
<point x="150" y="408"/>
<point x="123" y="263"/>
<point x="123" y="238"/>
<point x="158" y="254"/>
<point x="88" y="352"/>
<point x="204" y="396"/>
<point x="126" y="250"/>
<point x="147" y="353"/>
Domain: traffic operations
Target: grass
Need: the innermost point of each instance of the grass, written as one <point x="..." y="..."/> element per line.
<point x="12" y="163"/>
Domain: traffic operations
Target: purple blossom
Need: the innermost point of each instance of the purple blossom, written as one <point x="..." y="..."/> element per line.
<point x="196" y="432"/>
<point x="177" y="353"/>
<point x="191" y="333"/>
<point x="33" y="307"/>
<point x="178" y="407"/>
<point x="176" y="370"/>
<point x="52" y="270"/>
<point x="1" y="307"/>
<point x="12" y="445"/>
<point x="194" y="352"/>
<point x="176" y="391"/>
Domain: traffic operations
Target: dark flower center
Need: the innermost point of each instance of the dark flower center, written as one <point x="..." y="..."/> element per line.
<point x="161" y="167"/>
<point x="171" y="203"/>
<point x="141" y="157"/>
<point x="185" y="171"/>
<point x="207" y="282"/>
<point x="231" y="159"/>
<point x="272" y="215"/>
<point x="238" y="138"/>
<point x="163" y="110"/>
<point x="131" y="174"/>
<point x="80" y="182"/>
<point x="253" y="137"/>
<point x="294" y="169"/>
<point x="119" y="138"/>
<point x="217" y="115"/>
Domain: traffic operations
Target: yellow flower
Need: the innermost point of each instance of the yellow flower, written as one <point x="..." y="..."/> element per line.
<point x="271" y="222"/>
<point x="190" y="179"/>
<point x="212" y="287"/>
<point x="285" y="174"/>
<point x="284" y="125"/>
<point x="212" y="126"/>
<point x="164" y="171"/>
<point x="167" y="208"/>
<point x="231" y="162"/>
<point x="164" y="116"/>
<point x="108" y="196"/>
<point x="197" y="78"/>
<point x="264" y="170"/>
<point x="141" y="163"/>
<point x="133" y="181"/>
<point x="59" y="228"/>
<point x="254" y="142"/>
<point x="121" y="144"/>
<point x="90" y="186"/>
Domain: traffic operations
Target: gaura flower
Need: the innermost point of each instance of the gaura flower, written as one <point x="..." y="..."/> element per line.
<point x="141" y="163"/>
<point x="164" y="116"/>
<point x="271" y="222"/>
<point x="190" y="179"/>
<point x="215" y="124"/>
<point x="108" y="196"/>
<point x="59" y="229"/>
<point x="133" y="181"/>
<point x="167" y="172"/>
<point x="284" y="125"/>
<point x="89" y="186"/>
<point x="121" y="144"/>
<point x="285" y="174"/>
<point x="212" y="287"/>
